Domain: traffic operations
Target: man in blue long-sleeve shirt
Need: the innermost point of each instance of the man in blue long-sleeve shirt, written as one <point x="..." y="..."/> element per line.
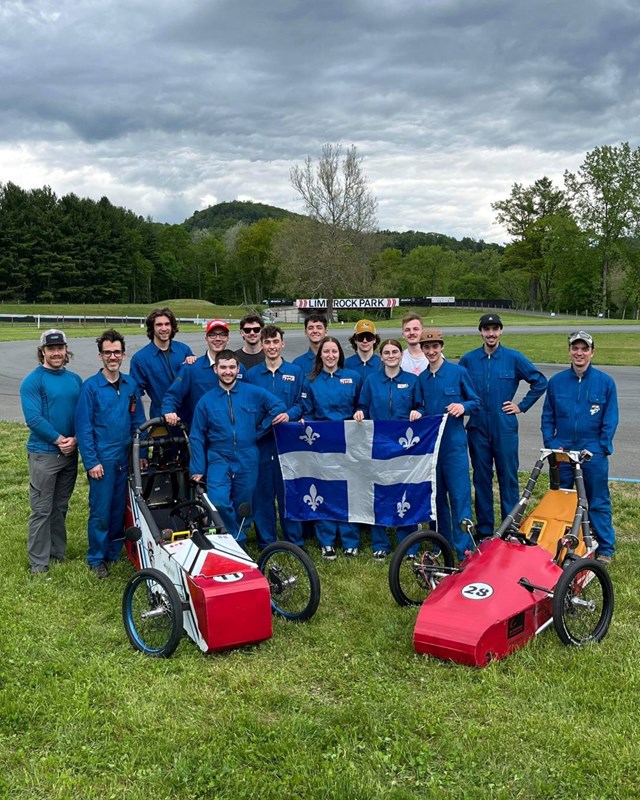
<point x="49" y="396"/>
<point x="226" y="425"/>
<point x="315" y="329"/>
<point x="496" y="372"/>
<point x="194" y="380"/>
<point x="284" y="380"/>
<point x="109" y="411"/>
<point x="581" y="413"/>
<point x="447" y="389"/>
<point x="155" y="366"/>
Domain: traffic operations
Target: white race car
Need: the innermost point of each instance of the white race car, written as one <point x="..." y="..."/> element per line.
<point x="192" y="575"/>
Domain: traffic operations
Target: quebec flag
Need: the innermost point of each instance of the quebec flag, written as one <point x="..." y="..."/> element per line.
<point x="381" y="473"/>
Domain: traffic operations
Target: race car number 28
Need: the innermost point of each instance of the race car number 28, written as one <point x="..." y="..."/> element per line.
<point x="477" y="591"/>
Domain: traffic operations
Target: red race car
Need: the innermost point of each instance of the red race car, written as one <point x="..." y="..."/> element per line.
<point x="533" y="573"/>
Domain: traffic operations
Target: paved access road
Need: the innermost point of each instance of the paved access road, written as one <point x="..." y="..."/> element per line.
<point x="19" y="358"/>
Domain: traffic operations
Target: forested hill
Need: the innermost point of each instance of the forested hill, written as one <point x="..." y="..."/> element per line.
<point x="223" y="216"/>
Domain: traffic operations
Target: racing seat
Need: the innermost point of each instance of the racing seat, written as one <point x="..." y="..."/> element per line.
<point x="551" y="519"/>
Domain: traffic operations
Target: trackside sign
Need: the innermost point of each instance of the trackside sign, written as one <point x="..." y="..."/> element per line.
<point x="349" y="302"/>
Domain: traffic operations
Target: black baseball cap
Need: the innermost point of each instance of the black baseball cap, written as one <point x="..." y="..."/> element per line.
<point x="489" y="319"/>
<point x="52" y="336"/>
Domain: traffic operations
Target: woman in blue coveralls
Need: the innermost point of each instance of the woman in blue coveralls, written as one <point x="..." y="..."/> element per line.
<point x="331" y="393"/>
<point x="389" y="393"/>
<point x="447" y="389"/>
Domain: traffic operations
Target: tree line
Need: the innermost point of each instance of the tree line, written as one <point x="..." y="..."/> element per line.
<point x="573" y="248"/>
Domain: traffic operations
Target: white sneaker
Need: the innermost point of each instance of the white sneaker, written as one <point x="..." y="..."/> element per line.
<point x="329" y="553"/>
<point x="351" y="552"/>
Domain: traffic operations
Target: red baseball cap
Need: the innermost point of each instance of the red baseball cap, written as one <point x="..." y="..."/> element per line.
<point x="217" y="323"/>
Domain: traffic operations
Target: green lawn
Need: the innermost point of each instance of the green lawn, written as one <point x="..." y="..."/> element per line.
<point x="340" y="708"/>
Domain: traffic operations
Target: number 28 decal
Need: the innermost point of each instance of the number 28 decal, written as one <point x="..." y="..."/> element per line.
<point x="477" y="591"/>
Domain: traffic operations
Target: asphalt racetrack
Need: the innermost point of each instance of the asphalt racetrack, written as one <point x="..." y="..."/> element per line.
<point x="19" y="358"/>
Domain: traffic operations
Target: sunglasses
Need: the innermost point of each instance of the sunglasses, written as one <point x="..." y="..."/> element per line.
<point x="251" y="330"/>
<point x="365" y="337"/>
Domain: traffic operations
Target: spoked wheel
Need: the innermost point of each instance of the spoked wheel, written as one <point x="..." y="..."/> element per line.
<point x="583" y="602"/>
<point x="293" y="580"/>
<point x="152" y="613"/>
<point x="418" y="565"/>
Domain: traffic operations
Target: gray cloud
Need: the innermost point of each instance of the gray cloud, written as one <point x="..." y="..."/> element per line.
<point x="171" y="107"/>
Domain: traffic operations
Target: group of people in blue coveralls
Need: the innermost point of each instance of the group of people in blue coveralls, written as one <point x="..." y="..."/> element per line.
<point x="231" y="411"/>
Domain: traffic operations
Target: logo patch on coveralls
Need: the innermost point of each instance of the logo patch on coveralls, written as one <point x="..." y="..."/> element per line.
<point x="289" y="378"/>
<point x="346" y="380"/>
<point x="594" y="409"/>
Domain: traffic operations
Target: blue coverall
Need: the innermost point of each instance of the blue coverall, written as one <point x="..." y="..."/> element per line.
<point x="306" y="362"/>
<point x="333" y="397"/>
<point x="191" y="382"/>
<point x="154" y="370"/>
<point x="106" y="419"/>
<point x="286" y="384"/>
<point x="224" y="432"/>
<point x="363" y="368"/>
<point x="581" y="413"/>
<point x="451" y="383"/>
<point x="389" y="398"/>
<point x="493" y="434"/>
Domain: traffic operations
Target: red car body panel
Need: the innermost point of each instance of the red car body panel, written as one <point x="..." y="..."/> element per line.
<point x="482" y="613"/>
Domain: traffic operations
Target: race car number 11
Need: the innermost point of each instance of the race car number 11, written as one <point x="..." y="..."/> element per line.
<point x="477" y="591"/>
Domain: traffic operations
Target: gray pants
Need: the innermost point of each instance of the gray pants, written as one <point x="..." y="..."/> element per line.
<point x="52" y="478"/>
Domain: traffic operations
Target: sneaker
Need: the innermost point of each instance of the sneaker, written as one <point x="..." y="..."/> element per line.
<point x="380" y="555"/>
<point x="603" y="558"/>
<point x="100" y="571"/>
<point x="329" y="553"/>
<point x="38" y="570"/>
<point x="351" y="552"/>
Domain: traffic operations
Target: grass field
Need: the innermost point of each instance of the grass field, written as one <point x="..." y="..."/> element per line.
<point x="340" y="708"/>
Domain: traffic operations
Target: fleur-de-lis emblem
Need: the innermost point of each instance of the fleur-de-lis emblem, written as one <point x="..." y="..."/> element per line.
<point x="309" y="435"/>
<point x="408" y="440"/>
<point x="402" y="507"/>
<point x="313" y="499"/>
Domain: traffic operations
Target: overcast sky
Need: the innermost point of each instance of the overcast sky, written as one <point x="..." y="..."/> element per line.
<point x="170" y="106"/>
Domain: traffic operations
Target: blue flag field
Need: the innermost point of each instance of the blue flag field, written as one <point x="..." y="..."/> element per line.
<point x="381" y="473"/>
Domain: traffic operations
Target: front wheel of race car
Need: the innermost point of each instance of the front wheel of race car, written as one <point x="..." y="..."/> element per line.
<point x="293" y="580"/>
<point x="152" y="613"/>
<point x="583" y="602"/>
<point x="418" y="565"/>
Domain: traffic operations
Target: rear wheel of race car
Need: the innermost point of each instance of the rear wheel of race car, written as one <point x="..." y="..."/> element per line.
<point x="152" y="613"/>
<point x="293" y="580"/>
<point x="416" y="567"/>
<point x="583" y="602"/>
